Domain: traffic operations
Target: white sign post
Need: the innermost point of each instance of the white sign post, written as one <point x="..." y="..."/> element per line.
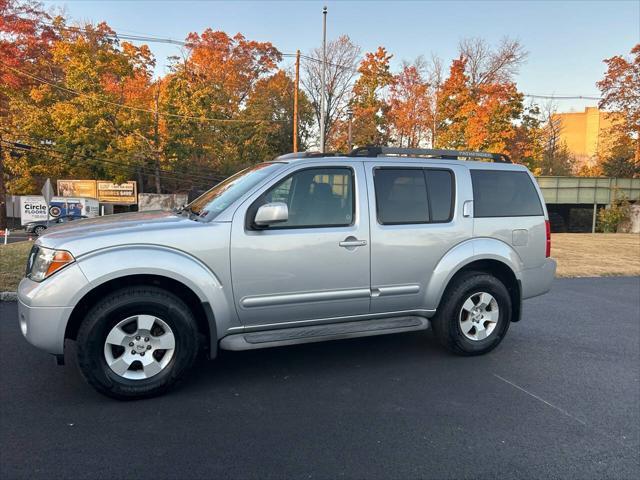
<point x="47" y="193"/>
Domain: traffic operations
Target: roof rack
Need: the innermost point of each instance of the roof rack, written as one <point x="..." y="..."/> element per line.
<point x="372" y="151"/>
<point x="308" y="154"/>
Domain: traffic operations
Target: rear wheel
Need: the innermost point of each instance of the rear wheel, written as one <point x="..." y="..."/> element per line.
<point x="137" y="342"/>
<point x="474" y="315"/>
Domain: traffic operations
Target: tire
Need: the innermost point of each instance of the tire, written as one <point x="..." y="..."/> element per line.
<point x="454" y="315"/>
<point x="38" y="230"/>
<point x="126" y="313"/>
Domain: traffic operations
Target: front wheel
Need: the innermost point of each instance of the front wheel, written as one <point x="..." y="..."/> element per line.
<point x="39" y="230"/>
<point x="474" y="315"/>
<point x="137" y="342"/>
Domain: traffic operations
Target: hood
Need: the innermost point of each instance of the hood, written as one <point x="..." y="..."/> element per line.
<point x="89" y="234"/>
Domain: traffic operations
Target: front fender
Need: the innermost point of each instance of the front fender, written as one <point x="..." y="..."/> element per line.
<point x="117" y="262"/>
<point x="464" y="254"/>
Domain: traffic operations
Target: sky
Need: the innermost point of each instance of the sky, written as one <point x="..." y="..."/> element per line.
<point x="566" y="40"/>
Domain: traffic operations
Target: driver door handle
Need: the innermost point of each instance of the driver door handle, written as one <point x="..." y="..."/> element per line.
<point x="351" y="242"/>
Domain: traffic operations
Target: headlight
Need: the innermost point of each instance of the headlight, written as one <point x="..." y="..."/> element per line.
<point x="44" y="262"/>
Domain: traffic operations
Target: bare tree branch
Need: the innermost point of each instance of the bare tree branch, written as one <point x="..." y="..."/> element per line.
<point x="486" y="65"/>
<point x="342" y="61"/>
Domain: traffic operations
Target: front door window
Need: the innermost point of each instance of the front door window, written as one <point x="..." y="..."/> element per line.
<point x="315" y="197"/>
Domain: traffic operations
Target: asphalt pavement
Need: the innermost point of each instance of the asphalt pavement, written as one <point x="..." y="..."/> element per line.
<point x="559" y="398"/>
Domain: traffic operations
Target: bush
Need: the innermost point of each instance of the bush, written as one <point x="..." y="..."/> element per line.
<point x="609" y="219"/>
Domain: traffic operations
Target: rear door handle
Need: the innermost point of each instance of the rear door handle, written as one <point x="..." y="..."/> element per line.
<point x="351" y="242"/>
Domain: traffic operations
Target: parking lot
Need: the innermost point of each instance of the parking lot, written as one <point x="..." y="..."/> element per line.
<point x="559" y="397"/>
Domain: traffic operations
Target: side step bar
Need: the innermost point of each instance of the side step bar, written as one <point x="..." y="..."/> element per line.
<point x="321" y="333"/>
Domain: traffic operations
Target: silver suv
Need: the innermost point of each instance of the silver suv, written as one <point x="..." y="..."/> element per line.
<point x="303" y="249"/>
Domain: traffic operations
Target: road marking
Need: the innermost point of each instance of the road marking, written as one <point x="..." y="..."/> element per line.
<point x="564" y="412"/>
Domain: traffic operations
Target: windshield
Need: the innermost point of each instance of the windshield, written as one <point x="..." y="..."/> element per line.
<point x="214" y="201"/>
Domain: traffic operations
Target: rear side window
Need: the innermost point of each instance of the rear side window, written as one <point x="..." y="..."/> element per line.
<point x="413" y="195"/>
<point x="504" y="194"/>
<point x="440" y="188"/>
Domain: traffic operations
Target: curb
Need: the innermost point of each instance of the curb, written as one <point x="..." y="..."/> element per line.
<point x="8" y="296"/>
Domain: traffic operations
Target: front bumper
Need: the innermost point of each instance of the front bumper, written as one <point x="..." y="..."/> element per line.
<point x="44" y="307"/>
<point x="44" y="327"/>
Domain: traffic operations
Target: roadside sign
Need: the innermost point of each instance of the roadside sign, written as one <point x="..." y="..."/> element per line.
<point x="47" y="193"/>
<point x="119" y="193"/>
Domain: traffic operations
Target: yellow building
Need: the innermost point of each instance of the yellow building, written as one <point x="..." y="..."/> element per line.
<point x="586" y="133"/>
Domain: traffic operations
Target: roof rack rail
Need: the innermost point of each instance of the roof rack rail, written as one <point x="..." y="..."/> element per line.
<point x="373" y="151"/>
<point x="307" y="154"/>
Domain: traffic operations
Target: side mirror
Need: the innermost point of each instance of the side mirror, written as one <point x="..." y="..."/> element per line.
<point x="276" y="212"/>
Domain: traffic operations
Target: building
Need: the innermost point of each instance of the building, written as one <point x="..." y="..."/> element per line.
<point x="586" y="133"/>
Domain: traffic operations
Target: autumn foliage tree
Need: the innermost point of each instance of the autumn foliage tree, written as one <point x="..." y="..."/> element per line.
<point x="479" y="102"/>
<point x="83" y="104"/>
<point x="370" y="109"/>
<point x="76" y="109"/>
<point x="410" y="106"/>
<point x="620" y="89"/>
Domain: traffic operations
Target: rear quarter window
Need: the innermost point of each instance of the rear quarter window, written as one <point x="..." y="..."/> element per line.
<point x="504" y="194"/>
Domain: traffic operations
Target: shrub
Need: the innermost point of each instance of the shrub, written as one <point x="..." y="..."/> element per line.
<point x="609" y="219"/>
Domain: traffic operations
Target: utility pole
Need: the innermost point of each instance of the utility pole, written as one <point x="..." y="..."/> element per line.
<point x="323" y="84"/>
<point x="295" y="103"/>
<point x="3" y="191"/>
<point x="156" y="140"/>
<point x="350" y="115"/>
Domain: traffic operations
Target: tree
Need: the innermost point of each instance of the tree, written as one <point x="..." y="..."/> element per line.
<point x="410" y="106"/>
<point x="556" y="158"/>
<point x="487" y="66"/>
<point x="273" y="99"/>
<point x="370" y="120"/>
<point x="206" y="95"/>
<point x="77" y="107"/>
<point x="341" y="70"/>
<point x="479" y="102"/>
<point x="620" y="90"/>
<point x="24" y="40"/>
<point x="527" y="145"/>
<point x="454" y="107"/>
<point x="620" y="161"/>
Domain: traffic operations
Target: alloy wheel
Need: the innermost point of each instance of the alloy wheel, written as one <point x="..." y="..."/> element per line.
<point x="139" y="347"/>
<point x="479" y="316"/>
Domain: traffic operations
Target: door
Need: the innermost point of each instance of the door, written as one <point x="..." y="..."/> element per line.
<point x="415" y="215"/>
<point x="315" y="265"/>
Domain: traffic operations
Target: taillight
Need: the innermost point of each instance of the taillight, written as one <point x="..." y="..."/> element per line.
<point x="547" y="251"/>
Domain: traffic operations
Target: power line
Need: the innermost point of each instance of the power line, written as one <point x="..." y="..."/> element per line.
<point x="143" y="170"/>
<point x="155" y="39"/>
<point x="176" y="176"/>
<point x="562" y="97"/>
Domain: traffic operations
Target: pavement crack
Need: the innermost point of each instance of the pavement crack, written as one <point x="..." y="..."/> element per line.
<point x="555" y="407"/>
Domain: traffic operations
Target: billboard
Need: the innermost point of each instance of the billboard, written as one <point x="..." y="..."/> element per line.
<point x="124" y="193"/>
<point x="106" y="192"/>
<point x="77" y="188"/>
<point x="34" y="208"/>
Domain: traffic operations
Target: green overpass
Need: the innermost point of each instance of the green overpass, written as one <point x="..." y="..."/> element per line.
<point x="569" y="198"/>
